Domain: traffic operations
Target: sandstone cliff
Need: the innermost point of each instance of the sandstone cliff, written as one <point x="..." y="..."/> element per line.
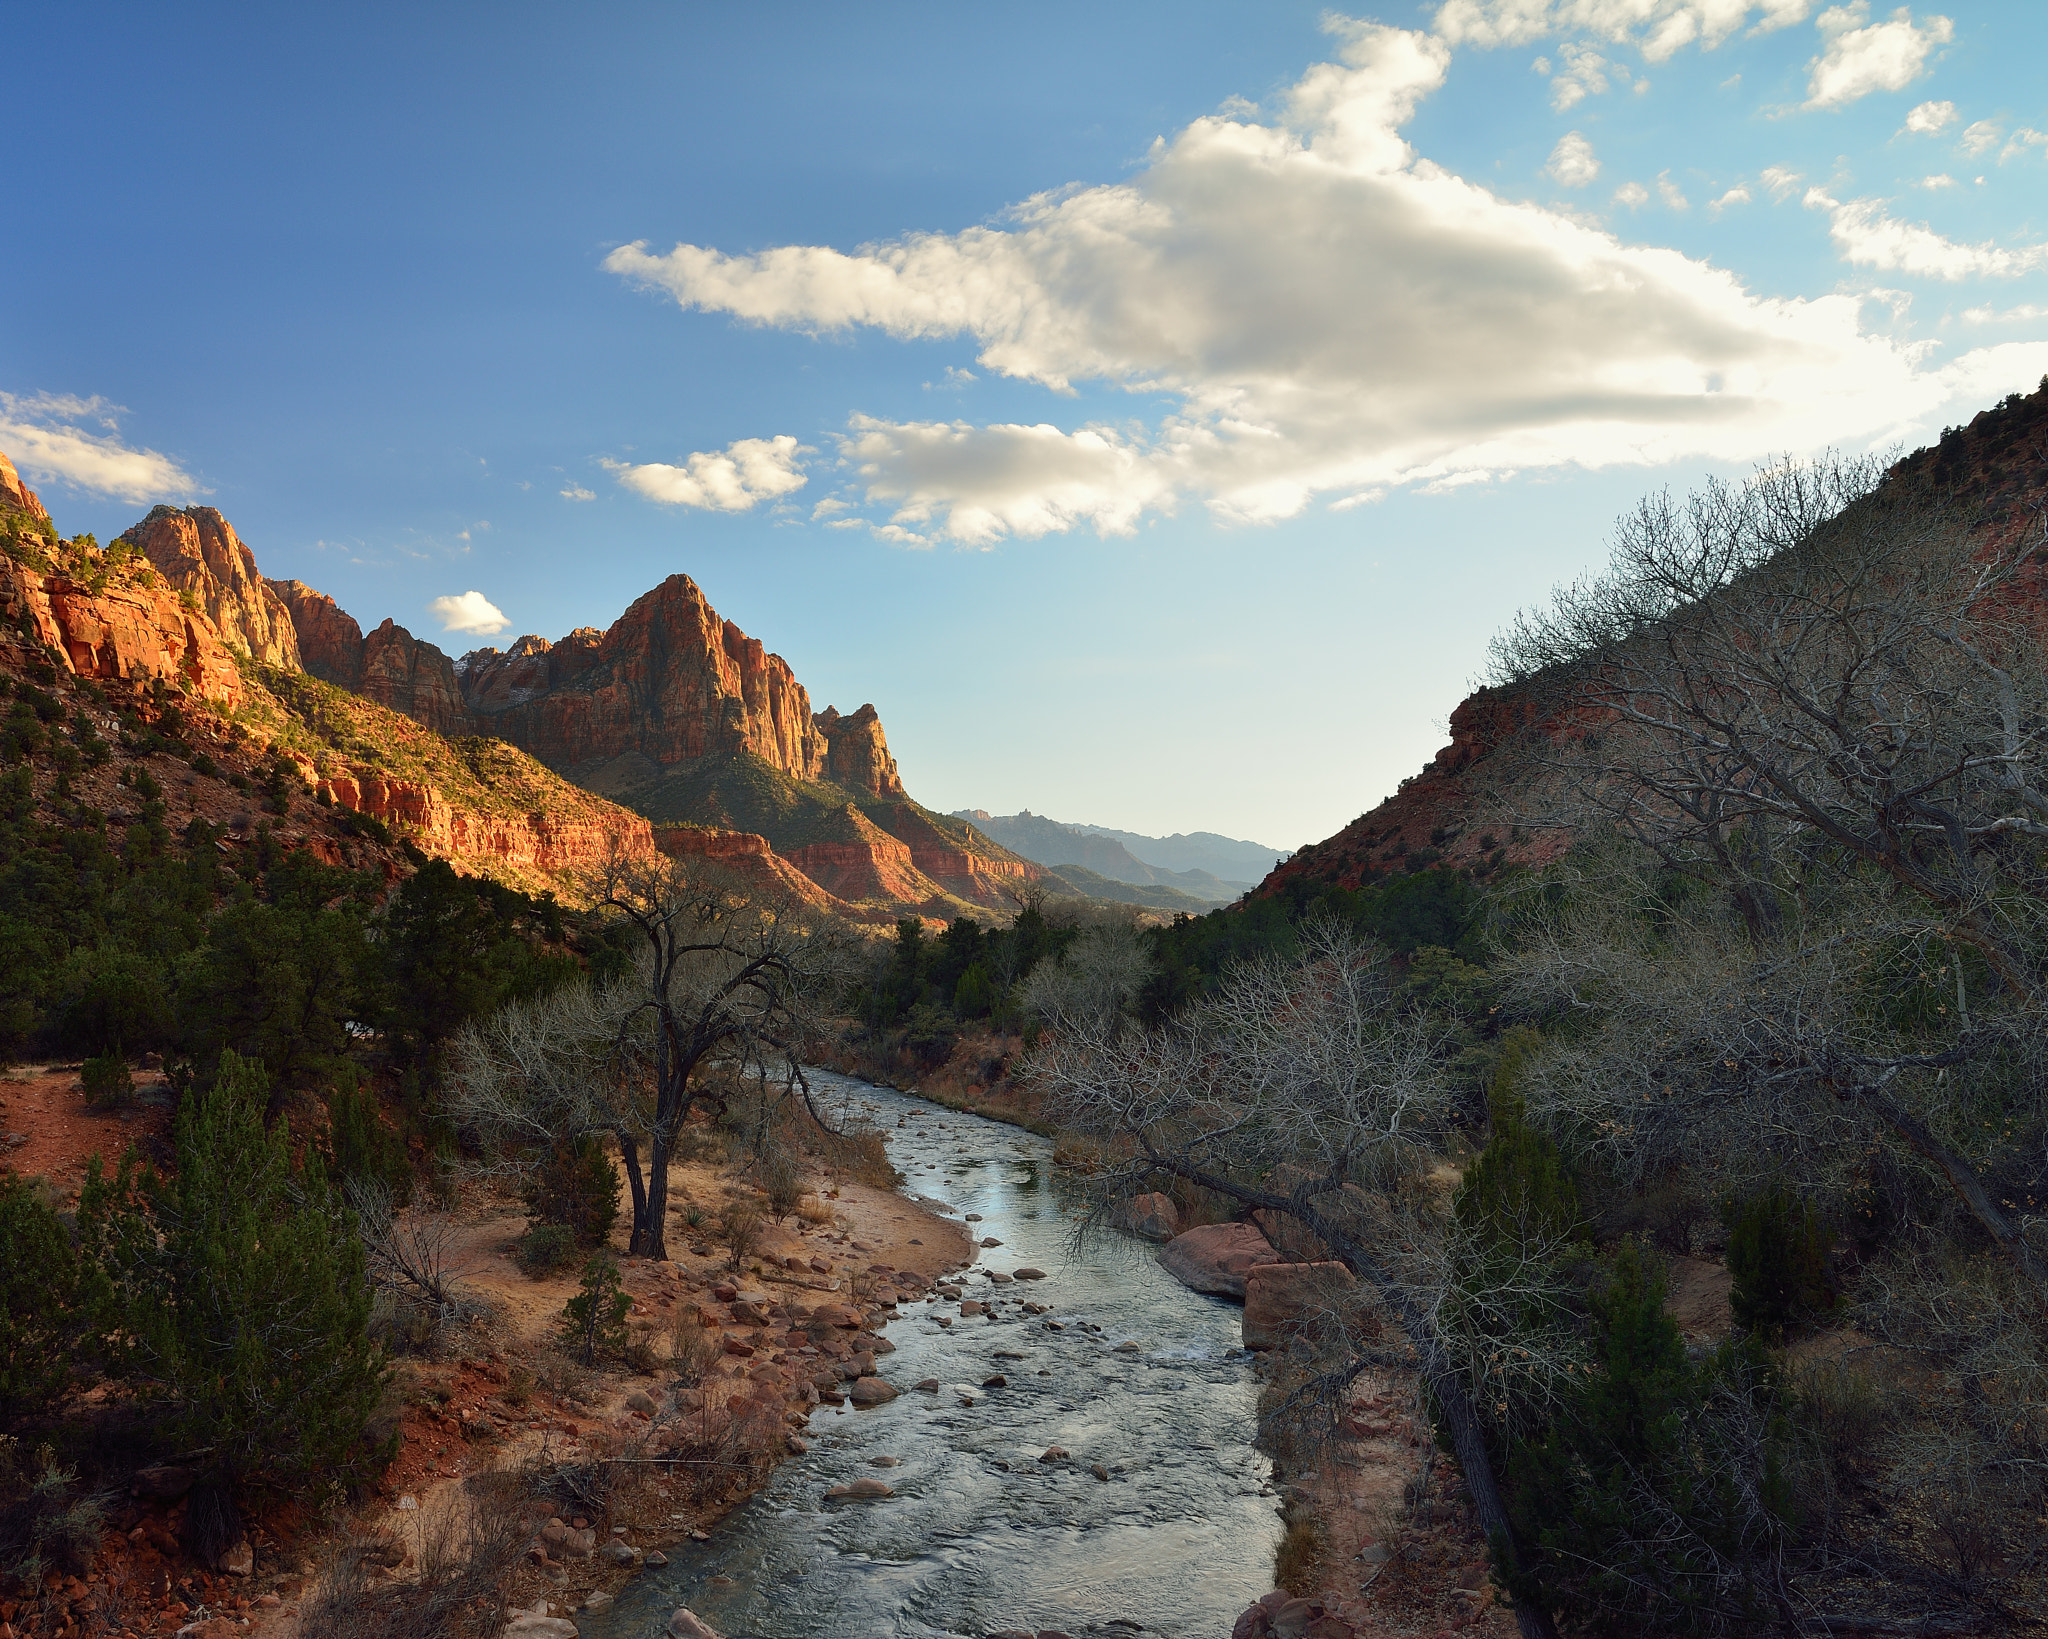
<point x="15" y="496"/>
<point x="198" y="552"/>
<point x="330" y="642"/>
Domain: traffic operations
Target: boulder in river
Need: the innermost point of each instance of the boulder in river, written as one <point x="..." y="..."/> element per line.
<point x="1215" y="1258"/>
<point x="1279" y="1296"/>
<point x="871" y="1391"/>
<point x="686" y="1624"/>
<point x="1153" y="1216"/>
<point x="865" y="1489"/>
<point x="1027" y="1274"/>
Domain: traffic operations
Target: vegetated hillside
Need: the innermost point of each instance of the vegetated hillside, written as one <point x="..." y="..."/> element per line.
<point x="1449" y="813"/>
<point x="1050" y="842"/>
<point x="1086" y="884"/>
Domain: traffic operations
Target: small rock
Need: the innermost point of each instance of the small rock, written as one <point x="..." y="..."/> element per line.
<point x="1098" y="1471"/>
<point x="798" y="1445"/>
<point x="597" y="1603"/>
<point x="864" y="1489"/>
<point x="1053" y="1454"/>
<point x="871" y="1391"/>
<point x="885" y="1462"/>
<point x="1127" y="1348"/>
<point x="618" y="1553"/>
<point x="929" y="1386"/>
<point x="655" y="1560"/>
<point x="407" y="1504"/>
<point x="990" y="1240"/>
<point x="686" y="1624"/>
<point x="238" y="1558"/>
<point x="164" y="1483"/>
<point x="641" y="1400"/>
<point x="538" y="1627"/>
<point x="998" y="1278"/>
<point x="999" y="1381"/>
<point x="1028" y="1274"/>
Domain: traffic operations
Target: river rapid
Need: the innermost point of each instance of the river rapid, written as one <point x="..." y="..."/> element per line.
<point x="981" y="1535"/>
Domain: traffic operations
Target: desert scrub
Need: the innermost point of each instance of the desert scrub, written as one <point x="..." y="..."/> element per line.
<point x="544" y="1250"/>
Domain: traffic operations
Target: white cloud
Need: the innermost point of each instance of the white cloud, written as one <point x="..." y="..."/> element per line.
<point x="39" y="432"/>
<point x="2027" y="313"/>
<point x="1936" y="182"/>
<point x="1670" y="193"/>
<point x="1658" y="28"/>
<point x="2024" y="138"/>
<point x="1859" y="56"/>
<point x="1572" y="161"/>
<point x="1737" y="195"/>
<point x="1584" y="75"/>
<point x="1930" y="118"/>
<point x="1981" y="136"/>
<point x="1632" y="194"/>
<point x="1867" y="236"/>
<point x="1327" y="315"/>
<point x="470" y="612"/>
<point x="728" y="480"/>
<point x="1780" y="181"/>
<point x="576" y="492"/>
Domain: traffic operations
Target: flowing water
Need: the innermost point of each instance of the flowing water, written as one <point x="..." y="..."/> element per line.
<point x="981" y="1535"/>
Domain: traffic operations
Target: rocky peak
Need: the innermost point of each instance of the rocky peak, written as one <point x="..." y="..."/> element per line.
<point x="330" y="642"/>
<point x="15" y="496"/>
<point x="857" y="754"/>
<point x="197" y="551"/>
<point x="417" y="678"/>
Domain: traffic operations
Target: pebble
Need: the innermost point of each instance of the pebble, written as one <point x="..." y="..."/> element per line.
<point x="999" y="1381"/>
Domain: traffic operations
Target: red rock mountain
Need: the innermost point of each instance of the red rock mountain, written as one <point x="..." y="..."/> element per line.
<point x="1999" y="463"/>
<point x="197" y="552"/>
<point x="15" y="496"/>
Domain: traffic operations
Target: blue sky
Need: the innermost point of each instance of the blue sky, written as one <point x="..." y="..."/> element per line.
<point x="1152" y="409"/>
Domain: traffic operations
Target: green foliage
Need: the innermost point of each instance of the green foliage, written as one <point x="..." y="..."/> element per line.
<point x="108" y="1084"/>
<point x="252" y="1310"/>
<point x="50" y="1523"/>
<point x="361" y="1145"/>
<point x="1777" y="1262"/>
<point x="968" y="972"/>
<point x="577" y="1187"/>
<point x="1657" y="1501"/>
<point x="41" y="1293"/>
<point x="545" y="1249"/>
<point x="1517" y="1186"/>
<point x="594" y="1320"/>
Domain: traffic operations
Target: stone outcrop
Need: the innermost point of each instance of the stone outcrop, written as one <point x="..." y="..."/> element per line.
<point x="330" y="642"/>
<point x="107" y="626"/>
<point x="1281" y="1297"/>
<point x="748" y="857"/>
<point x="416" y="678"/>
<point x="1216" y="1258"/>
<point x="856" y="755"/>
<point x="544" y="842"/>
<point x="199" y="554"/>
<point x="15" y="496"/>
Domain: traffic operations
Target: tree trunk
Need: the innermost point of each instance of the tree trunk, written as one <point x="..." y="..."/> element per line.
<point x="630" y="1152"/>
<point x="655" y="1243"/>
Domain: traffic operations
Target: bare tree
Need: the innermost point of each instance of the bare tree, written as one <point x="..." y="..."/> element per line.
<point x="1298" y="1090"/>
<point x="722" y="976"/>
<point x="1817" y="678"/>
<point x="412" y="1256"/>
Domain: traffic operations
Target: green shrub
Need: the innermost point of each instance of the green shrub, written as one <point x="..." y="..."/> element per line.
<point x="245" y="1292"/>
<point x="577" y="1186"/>
<point x="362" y="1146"/>
<point x="545" y="1249"/>
<point x="108" y="1085"/>
<point x="49" y="1523"/>
<point x="39" y="1300"/>
<point x="594" y="1320"/>
<point x="1777" y="1263"/>
<point x="1658" y="1500"/>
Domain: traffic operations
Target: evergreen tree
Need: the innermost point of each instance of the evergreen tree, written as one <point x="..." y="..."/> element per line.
<point x="1778" y="1263"/>
<point x="594" y="1320"/>
<point x="40" y="1293"/>
<point x="256" y="1325"/>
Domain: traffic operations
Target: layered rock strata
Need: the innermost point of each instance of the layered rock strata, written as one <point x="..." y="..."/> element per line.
<point x="131" y="628"/>
<point x="199" y="554"/>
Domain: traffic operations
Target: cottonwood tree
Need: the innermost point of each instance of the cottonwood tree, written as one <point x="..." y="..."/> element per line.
<point x="1298" y="1089"/>
<point x="723" y="976"/>
<point x="1819" y="687"/>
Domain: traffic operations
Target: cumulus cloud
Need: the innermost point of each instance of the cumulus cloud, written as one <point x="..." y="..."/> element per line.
<point x="1632" y="194"/>
<point x="1583" y="75"/>
<point x="1859" y="56"/>
<point x="1670" y="192"/>
<point x="576" y="492"/>
<point x="1930" y="118"/>
<point x="1326" y="313"/>
<point x="1737" y="195"/>
<point x="41" y="434"/>
<point x="1933" y="184"/>
<point x="2024" y="138"/>
<point x="1572" y="161"/>
<point x="1657" y="28"/>
<point x="1868" y="236"/>
<point x="470" y="613"/>
<point x="728" y="480"/>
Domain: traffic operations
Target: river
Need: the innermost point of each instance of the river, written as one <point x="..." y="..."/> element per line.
<point x="981" y="1535"/>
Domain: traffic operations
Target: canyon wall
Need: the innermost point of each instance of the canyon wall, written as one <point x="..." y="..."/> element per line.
<point x="198" y="553"/>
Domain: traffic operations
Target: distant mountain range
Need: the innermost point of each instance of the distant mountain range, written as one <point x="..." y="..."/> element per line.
<point x="1198" y="864"/>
